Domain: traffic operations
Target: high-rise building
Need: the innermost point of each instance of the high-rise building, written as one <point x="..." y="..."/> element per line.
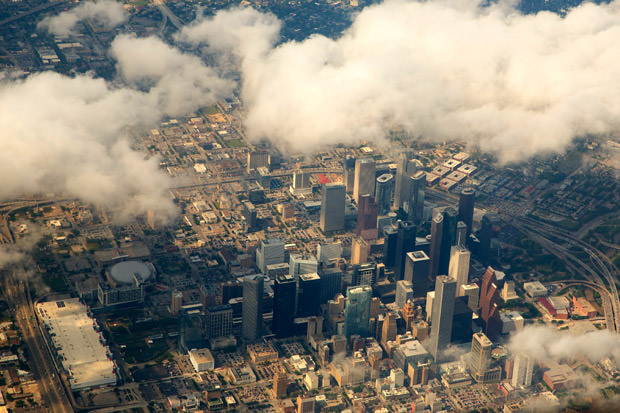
<point x="480" y="360"/>
<point x="523" y="370"/>
<point x="270" y="251"/>
<point x="305" y="404"/>
<point x="436" y="234"/>
<point x="390" y="234"/>
<point x="284" y="292"/>
<point x="367" y="212"/>
<point x="441" y="318"/>
<point x="466" y="208"/>
<point x="257" y="159"/>
<point x="388" y="330"/>
<point x="301" y="183"/>
<point x="406" y="167"/>
<point x="357" y="311"/>
<point x="489" y="304"/>
<point x="461" y="234"/>
<point x="280" y="385"/>
<point x="302" y="264"/>
<point x="459" y="266"/>
<point x="249" y="214"/>
<point x="415" y="204"/>
<point x="332" y="207"/>
<point x="364" y="274"/>
<point x="384" y="190"/>
<point x="489" y="231"/>
<point x="252" y="307"/>
<point x="309" y="295"/>
<point x="328" y="252"/>
<point x="192" y="330"/>
<point x="405" y="242"/>
<point x="461" y="322"/>
<point x="404" y="293"/>
<point x="348" y="169"/>
<point x="219" y="321"/>
<point x="331" y="284"/>
<point x="472" y="292"/>
<point x="416" y="272"/>
<point x="359" y="251"/>
<point x="448" y="238"/>
<point x="177" y="302"/>
<point x="364" y="183"/>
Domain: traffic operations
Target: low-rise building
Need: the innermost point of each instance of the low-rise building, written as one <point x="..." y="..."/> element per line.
<point x="201" y="359"/>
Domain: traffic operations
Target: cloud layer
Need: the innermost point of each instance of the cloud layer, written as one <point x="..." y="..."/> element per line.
<point x="515" y="84"/>
<point x="107" y="13"/>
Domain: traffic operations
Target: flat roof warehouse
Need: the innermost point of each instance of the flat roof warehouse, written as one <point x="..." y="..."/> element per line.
<point x="80" y="347"/>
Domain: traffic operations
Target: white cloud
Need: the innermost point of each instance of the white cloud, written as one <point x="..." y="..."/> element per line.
<point x="108" y="13"/>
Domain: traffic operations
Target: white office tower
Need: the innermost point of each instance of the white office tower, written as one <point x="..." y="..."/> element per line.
<point x="430" y="298"/>
<point x="301" y="183"/>
<point x="480" y="356"/>
<point x="443" y="311"/>
<point x="270" y="251"/>
<point x="364" y="183"/>
<point x="332" y="207"/>
<point x="522" y="370"/>
<point x="404" y="292"/>
<point x="302" y="264"/>
<point x="329" y="251"/>
<point x="472" y="292"/>
<point x="458" y="268"/>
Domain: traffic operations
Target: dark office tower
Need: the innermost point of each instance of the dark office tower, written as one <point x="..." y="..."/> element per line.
<point x="390" y="233"/>
<point x="466" y="207"/>
<point x="461" y="234"/>
<point x="416" y="272"/>
<point x="448" y="239"/>
<point x="348" y="169"/>
<point x="402" y="190"/>
<point x="309" y="295"/>
<point x="405" y="242"/>
<point x="415" y="204"/>
<point x="252" y="307"/>
<point x="284" y="290"/>
<point x="364" y="274"/>
<point x="367" y="211"/>
<point x="231" y="289"/>
<point x="491" y="226"/>
<point x="489" y="304"/>
<point x="331" y="284"/>
<point x="332" y="207"/>
<point x="442" y="314"/>
<point x="461" y="321"/>
<point x="357" y="311"/>
<point x="192" y="330"/>
<point x="384" y="189"/>
<point x="249" y="214"/>
<point x="436" y="234"/>
<point x="219" y="321"/>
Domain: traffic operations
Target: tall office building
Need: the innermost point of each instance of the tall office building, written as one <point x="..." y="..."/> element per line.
<point x="489" y="231"/>
<point x="249" y="215"/>
<point x="461" y="322"/>
<point x="436" y="234"/>
<point x="357" y="311"/>
<point x="472" y="292"/>
<point x="332" y="207"/>
<point x="459" y="266"/>
<point x="328" y="252"/>
<point x="367" y="211"/>
<point x="416" y="272"/>
<point x="177" y="302"/>
<point x="390" y="235"/>
<point x="364" y="182"/>
<point x="461" y="234"/>
<point x="406" y="167"/>
<point x="448" y="238"/>
<point x="301" y="183"/>
<point x="364" y="274"/>
<point x="284" y="291"/>
<point x="270" y="251"/>
<point x="192" y="330"/>
<point x="480" y="360"/>
<point x="466" y="208"/>
<point x="415" y="204"/>
<point x="523" y="370"/>
<point x="331" y="284"/>
<point x="280" y="385"/>
<point x="388" y="329"/>
<point x="405" y="242"/>
<point x="404" y="293"/>
<point x="219" y="321"/>
<point x="257" y="159"/>
<point x="442" y="314"/>
<point x="348" y="169"/>
<point x="302" y="264"/>
<point x="384" y="191"/>
<point x="252" y="307"/>
<point x="309" y="295"/>
<point x="489" y="304"/>
<point x="359" y="251"/>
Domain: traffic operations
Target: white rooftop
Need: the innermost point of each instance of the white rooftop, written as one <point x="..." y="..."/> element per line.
<point x="73" y="334"/>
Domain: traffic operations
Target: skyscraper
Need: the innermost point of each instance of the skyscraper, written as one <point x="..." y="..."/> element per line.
<point x="466" y="207"/>
<point x="249" y="214"/>
<point x="404" y="293"/>
<point x="490" y="228"/>
<point x="436" y="234"/>
<point x="359" y="251"/>
<point x="388" y="330"/>
<point x="461" y="234"/>
<point x="219" y="321"/>
<point x="309" y="295"/>
<point x="415" y="204"/>
<point x="302" y="264"/>
<point x="480" y="355"/>
<point x="367" y="211"/>
<point x="405" y="242"/>
<point x="459" y="266"/>
<point x="442" y="313"/>
<point x="383" y="193"/>
<point x="416" y="272"/>
<point x="252" y="308"/>
<point x="522" y="370"/>
<point x="270" y="251"/>
<point x="332" y="207"/>
<point x="364" y="274"/>
<point x="328" y="252"/>
<point x="448" y="238"/>
<point x="401" y="190"/>
<point x="177" y="302"/>
<point x="284" y="291"/>
<point x="364" y="182"/>
<point x="390" y="234"/>
<point x="331" y="284"/>
<point x="256" y="159"/>
<point x="348" y="169"/>
<point x="489" y="304"/>
<point x="357" y="311"/>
